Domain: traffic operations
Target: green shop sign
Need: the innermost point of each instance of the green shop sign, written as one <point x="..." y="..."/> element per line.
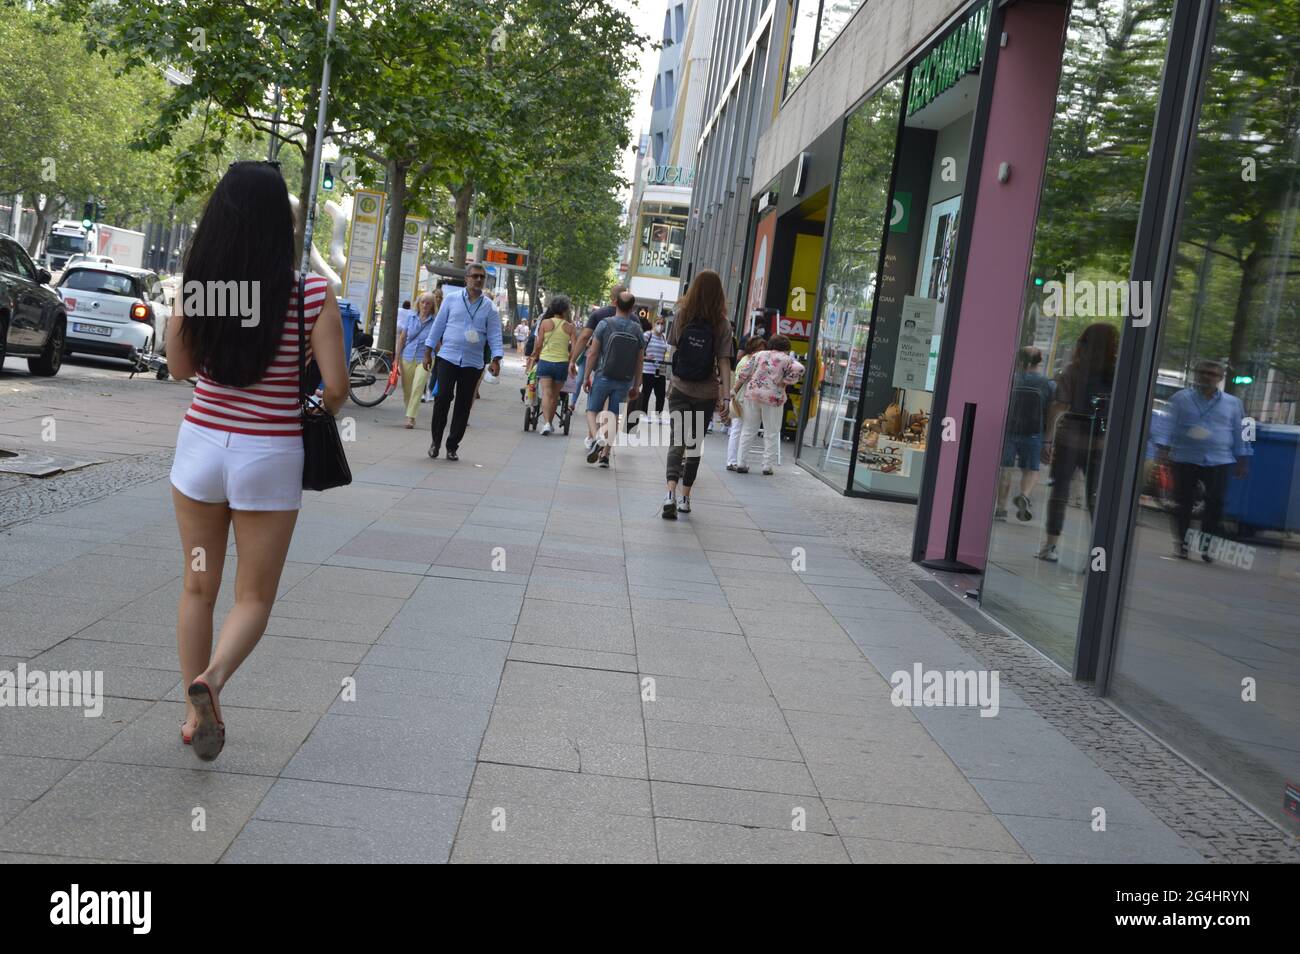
<point x="959" y="53"/>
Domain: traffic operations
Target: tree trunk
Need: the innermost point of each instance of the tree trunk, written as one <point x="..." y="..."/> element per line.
<point x="397" y="171"/>
<point x="45" y="214"/>
<point x="1252" y="276"/>
<point x="304" y="187"/>
<point x="463" y="195"/>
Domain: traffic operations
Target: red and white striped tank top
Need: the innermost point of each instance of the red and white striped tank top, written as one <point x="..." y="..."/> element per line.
<point x="271" y="407"/>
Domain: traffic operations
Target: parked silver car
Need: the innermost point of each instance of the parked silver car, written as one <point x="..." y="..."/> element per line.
<point x="113" y="310"/>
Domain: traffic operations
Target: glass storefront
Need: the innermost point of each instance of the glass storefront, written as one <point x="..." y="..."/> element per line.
<point x="850" y="285"/>
<point x="1075" y="306"/>
<point x="878" y="335"/>
<point x="660" y="236"/>
<point x="1209" y="646"/>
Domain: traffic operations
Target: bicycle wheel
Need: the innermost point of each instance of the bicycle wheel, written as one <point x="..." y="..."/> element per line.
<point x="368" y="378"/>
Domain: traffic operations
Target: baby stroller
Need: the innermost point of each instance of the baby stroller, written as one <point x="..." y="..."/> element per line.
<point x="532" y="398"/>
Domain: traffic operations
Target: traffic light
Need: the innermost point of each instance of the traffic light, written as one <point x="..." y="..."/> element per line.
<point x="327" y="180"/>
<point x="1243" y="379"/>
<point x="88" y="215"/>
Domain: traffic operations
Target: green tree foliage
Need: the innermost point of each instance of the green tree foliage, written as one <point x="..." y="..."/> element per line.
<point x="68" y="120"/>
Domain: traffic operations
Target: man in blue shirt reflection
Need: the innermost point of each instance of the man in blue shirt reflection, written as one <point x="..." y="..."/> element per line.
<point x="1204" y="440"/>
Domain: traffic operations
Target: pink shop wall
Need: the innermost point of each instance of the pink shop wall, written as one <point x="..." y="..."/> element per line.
<point x="1020" y="119"/>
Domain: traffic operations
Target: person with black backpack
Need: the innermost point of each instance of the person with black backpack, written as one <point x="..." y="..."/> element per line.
<point x="702" y="346"/>
<point x="1031" y="395"/>
<point x="615" y="359"/>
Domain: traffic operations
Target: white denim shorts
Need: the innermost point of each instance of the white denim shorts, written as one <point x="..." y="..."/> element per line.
<point x="246" y="471"/>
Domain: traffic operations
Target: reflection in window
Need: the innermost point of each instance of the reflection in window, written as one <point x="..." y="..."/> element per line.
<point x="660" y="238"/>
<point x="1092" y="189"/>
<point x="1214" y="590"/>
<point x="802" y="40"/>
<point x="835" y="13"/>
<point x="844" y="326"/>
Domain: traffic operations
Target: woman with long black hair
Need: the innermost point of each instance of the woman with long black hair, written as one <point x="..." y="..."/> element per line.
<point x="239" y="453"/>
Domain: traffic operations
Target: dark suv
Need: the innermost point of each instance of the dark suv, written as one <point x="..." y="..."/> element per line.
<point x="33" y="322"/>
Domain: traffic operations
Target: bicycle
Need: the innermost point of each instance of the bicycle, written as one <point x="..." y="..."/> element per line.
<point x="370" y="376"/>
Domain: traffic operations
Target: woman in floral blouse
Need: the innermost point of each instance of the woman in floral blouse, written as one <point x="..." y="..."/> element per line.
<point x="764" y="379"/>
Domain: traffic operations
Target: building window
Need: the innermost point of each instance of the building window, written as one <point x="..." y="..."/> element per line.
<point x="668" y="28"/>
<point x="654" y="95"/>
<point x="661" y="235"/>
<point x="669" y="98"/>
<point x="680" y="14"/>
<point x="817" y="23"/>
<point x="802" y="42"/>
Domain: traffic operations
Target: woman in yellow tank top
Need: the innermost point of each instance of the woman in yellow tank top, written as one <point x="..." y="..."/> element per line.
<point x="551" y="348"/>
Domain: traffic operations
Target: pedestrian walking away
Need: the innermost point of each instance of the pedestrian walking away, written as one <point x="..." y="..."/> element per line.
<point x="763" y="380"/>
<point x="239" y="453"/>
<point x="466" y="330"/>
<point x="753" y="345"/>
<point x="701" y="343"/>
<point x="551" y="351"/>
<point x="410" y="344"/>
<point x="614" y="362"/>
<point x="578" y="360"/>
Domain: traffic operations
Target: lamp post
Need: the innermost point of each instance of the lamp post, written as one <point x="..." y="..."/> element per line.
<point x="309" y="222"/>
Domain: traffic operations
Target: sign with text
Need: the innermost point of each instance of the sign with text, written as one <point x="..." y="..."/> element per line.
<point x="505" y="256"/>
<point x="412" y="244"/>
<point x="912" y="357"/>
<point x="363" y="251"/>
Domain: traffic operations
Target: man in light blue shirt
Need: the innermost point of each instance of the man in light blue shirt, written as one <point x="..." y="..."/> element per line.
<point x="466" y="329"/>
<point x="1204" y="440"/>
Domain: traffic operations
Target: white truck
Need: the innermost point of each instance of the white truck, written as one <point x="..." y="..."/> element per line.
<point x="68" y="239"/>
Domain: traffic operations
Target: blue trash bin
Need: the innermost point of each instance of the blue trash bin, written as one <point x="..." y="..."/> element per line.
<point x="1269" y="497"/>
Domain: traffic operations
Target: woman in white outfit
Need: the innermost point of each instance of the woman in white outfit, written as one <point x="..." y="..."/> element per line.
<point x="764" y="380"/>
<point x="239" y="454"/>
<point x="752" y="347"/>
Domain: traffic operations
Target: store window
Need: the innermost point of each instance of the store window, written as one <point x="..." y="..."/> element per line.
<point x="1076" y="303"/>
<point x="661" y="234"/>
<point x="1208" y="639"/>
<point x="844" y="325"/>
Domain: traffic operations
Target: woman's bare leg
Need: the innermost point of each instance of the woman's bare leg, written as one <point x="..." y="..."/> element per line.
<point x="205" y="531"/>
<point x="261" y="543"/>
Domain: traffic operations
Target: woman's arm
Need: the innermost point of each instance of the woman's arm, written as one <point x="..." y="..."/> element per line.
<point x="327" y="349"/>
<point x="180" y="364"/>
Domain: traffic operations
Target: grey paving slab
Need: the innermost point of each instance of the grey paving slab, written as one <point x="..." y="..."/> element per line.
<point x="27" y="778"/>
<point x="876" y="851"/>
<point x="136" y="813"/>
<point x="724" y="740"/>
<point x="575" y="658"/>
<point x="730" y="771"/>
<point x="731" y="806"/>
<point x="702" y="842"/>
<point x="384" y="753"/>
<point x="510" y="785"/>
<point x="316" y="823"/>
<point x="64" y="732"/>
<point x="1118" y="844"/>
<point x="546" y="834"/>
<point x="924" y="826"/>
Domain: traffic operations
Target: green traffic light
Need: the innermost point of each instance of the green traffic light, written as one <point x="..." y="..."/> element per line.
<point x="1038" y="281"/>
<point x="1243" y="379"/>
<point x="327" y="181"/>
<point x="86" y="223"/>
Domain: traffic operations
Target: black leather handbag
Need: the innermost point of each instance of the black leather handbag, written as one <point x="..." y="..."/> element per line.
<point x="324" y="465"/>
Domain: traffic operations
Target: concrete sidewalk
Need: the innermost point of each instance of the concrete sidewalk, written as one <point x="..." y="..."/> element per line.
<point x="545" y="670"/>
